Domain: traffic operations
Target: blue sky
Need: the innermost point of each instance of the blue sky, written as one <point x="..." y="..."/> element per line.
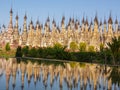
<point x="57" y="8"/>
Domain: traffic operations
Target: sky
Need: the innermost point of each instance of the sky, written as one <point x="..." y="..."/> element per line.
<point x="41" y="9"/>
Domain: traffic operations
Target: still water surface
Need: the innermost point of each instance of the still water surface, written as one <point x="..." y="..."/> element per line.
<point x="53" y="75"/>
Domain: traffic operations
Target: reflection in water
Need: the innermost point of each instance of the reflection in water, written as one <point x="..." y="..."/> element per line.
<point x="54" y="76"/>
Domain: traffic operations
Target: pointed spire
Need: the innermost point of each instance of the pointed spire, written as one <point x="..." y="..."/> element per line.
<point x="31" y="22"/>
<point x="96" y="19"/>
<point x="86" y="22"/>
<point x="11" y="12"/>
<point x="72" y="20"/>
<point x="91" y="23"/>
<point x="83" y="21"/>
<point x="48" y="19"/>
<point x="100" y="22"/>
<point x="76" y="20"/>
<point x="53" y="22"/>
<point x="116" y="21"/>
<point x="17" y="17"/>
<point x="63" y="19"/>
<point x="110" y="19"/>
<point x="25" y="17"/>
<point x="37" y="22"/>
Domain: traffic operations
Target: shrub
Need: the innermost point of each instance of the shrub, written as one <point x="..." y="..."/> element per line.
<point x="91" y="49"/>
<point x="73" y="46"/>
<point x="82" y="47"/>
<point x="25" y="50"/>
<point x="7" y="47"/>
<point x="32" y="52"/>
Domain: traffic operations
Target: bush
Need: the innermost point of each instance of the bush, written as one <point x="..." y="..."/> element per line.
<point x="73" y="46"/>
<point x="7" y="47"/>
<point x="91" y="49"/>
<point x="82" y="47"/>
<point x="25" y="50"/>
<point x="32" y="52"/>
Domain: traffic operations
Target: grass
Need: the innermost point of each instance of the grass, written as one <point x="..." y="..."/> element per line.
<point x="7" y="54"/>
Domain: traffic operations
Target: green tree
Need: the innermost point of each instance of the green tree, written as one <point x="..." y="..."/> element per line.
<point x="19" y="52"/>
<point x="114" y="48"/>
<point x="101" y="47"/>
<point x="7" y="47"/>
<point x="73" y="46"/>
<point x="91" y="49"/>
<point x="82" y="47"/>
<point x="25" y="50"/>
<point x="33" y="52"/>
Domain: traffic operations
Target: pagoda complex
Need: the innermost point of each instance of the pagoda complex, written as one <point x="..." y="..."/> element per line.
<point x="93" y="34"/>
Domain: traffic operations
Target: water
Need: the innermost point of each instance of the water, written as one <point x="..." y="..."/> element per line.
<point x="50" y="75"/>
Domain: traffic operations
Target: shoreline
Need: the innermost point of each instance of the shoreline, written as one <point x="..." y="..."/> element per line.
<point x="58" y="60"/>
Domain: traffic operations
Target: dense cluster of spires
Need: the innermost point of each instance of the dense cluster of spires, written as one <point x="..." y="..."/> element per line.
<point x="93" y="33"/>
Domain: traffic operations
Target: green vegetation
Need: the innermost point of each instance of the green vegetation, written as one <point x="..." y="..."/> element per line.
<point x="91" y="49"/>
<point x="7" y="54"/>
<point x="114" y="48"/>
<point x="82" y="47"/>
<point x="109" y="55"/>
<point x="7" y="47"/>
<point x="58" y="52"/>
<point x="115" y="75"/>
<point x="25" y="50"/>
<point x="104" y="56"/>
<point x="73" y="46"/>
<point x="19" y="52"/>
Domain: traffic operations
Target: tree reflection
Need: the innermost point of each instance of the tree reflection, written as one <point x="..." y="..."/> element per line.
<point x="115" y="75"/>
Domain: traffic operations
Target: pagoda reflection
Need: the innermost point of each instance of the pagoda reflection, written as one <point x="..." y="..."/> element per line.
<point x="70" y="75"/>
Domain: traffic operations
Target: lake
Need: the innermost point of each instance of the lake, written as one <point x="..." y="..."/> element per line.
<point x="18" y="74"/>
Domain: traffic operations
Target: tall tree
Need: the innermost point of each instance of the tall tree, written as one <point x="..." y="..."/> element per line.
<point x="114" y="48"/>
